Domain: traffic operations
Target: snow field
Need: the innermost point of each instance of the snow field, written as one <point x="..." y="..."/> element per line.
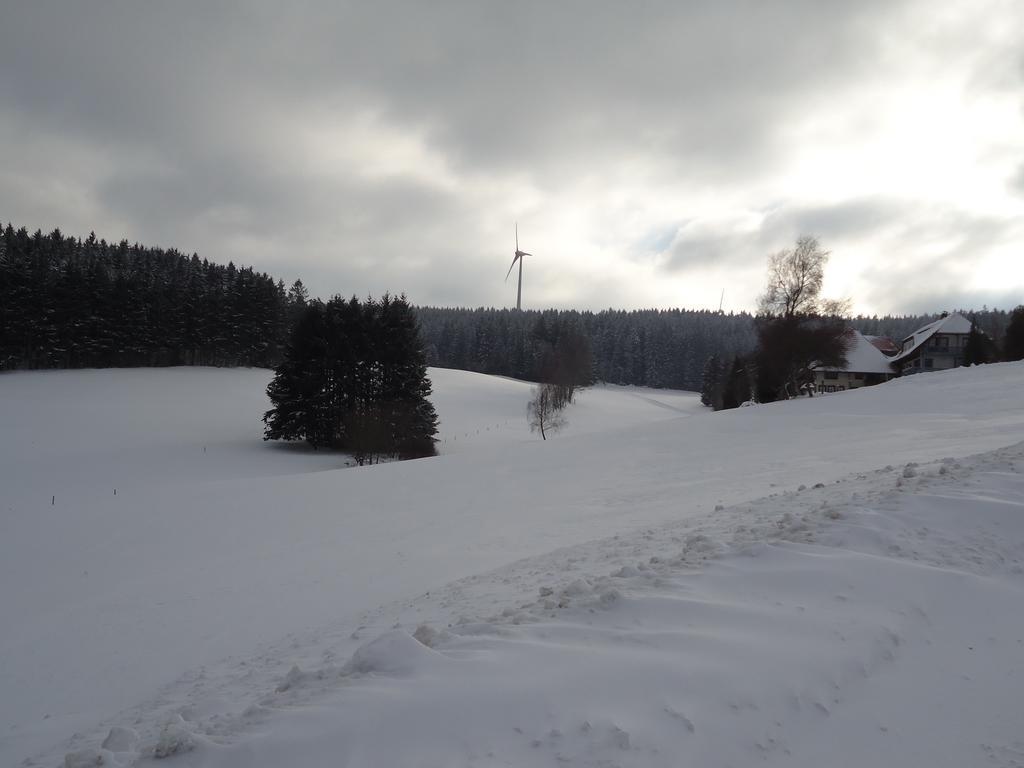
<point x="147" y="530"/>
<point x="178" y="608"/>
<point x="477" y="411"/>
<point x="871" y="622"/>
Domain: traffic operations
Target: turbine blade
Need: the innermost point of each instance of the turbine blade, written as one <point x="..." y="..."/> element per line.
<point x="510" y="268"/>
<point x="517" y="236"/>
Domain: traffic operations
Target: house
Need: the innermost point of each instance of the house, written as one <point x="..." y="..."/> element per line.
<point x="866" y="364"/>
<point x="935" y="347"/>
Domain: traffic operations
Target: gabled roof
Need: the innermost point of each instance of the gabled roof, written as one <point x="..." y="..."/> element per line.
<point x="954" y="323"/>
<point x="883" y="343"/>
<point x="862" y="356"/>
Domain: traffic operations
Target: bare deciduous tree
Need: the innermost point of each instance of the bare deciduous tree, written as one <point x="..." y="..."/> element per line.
<point x="795" y="278"/>
<point x="544" y="411"/>
<point x="797" y="329"/>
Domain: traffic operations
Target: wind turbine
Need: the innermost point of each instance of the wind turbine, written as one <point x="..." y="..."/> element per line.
<point x="518" y="256"/>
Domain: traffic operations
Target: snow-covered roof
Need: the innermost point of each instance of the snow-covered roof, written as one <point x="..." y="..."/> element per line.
<point x="862" y="356"/>
<point x="954" y="323"/>
<point x="884" y="343"/>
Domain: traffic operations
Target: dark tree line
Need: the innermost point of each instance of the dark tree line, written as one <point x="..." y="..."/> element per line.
<point x="72" y="303"/>
<point x="727" y="385"/>
<point x="67" y="302"/>
<point x="354" y="378"/>
<point x="655" y="348"/>
<point x="1013" y="339"/>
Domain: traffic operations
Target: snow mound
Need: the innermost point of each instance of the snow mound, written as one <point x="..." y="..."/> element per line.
<point x="294" y="678"/>
<point x="121" y="739"/>
<point x="394" y="654"/>
<point x="119" y="748"/>
<point x="429" y="636"/>
<point x="577" y="588"/>
<point x="175" y="739"/>
<point x="83" y="758"/>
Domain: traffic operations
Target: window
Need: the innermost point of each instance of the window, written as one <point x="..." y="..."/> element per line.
<point x="928" y="362"/>
<point x="831" y="374"/>
<point x="858" y="376"/>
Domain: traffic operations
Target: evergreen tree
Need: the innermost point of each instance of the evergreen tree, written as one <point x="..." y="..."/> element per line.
<point x="354" y="378"/>
<point x="1013" y="340"/>
<point x="646" y="347"/>
<point x="405" y="388"/>
<point x="68" y="303"/>
<point x="301" y="389"/>
<point x="711" y="386"/>
<point x="737" y="389"/>
<point x="979" y="348"/>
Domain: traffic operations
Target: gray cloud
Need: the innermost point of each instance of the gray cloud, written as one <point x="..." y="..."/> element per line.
<point x="498" y="85"/>
<point x="942" y="279"/>
<point x="697" y="245"/>
<point x="964" y="300"/>
<point x="186" y="124"/>
<point x="1017" y="182"/>
<point x="902" y="282"/>
<point x="834" y="222"/>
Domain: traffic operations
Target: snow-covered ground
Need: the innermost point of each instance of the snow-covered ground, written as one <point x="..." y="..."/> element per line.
<point x="644" y="589"/>
<point x="872" y="622"/>
<point x="477" y="410"/>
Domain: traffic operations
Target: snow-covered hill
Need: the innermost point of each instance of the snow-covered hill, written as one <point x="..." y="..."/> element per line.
<point x="148" y="530"/>
<point x="222" y="562"/>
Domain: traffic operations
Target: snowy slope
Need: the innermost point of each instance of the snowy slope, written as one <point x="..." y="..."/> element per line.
<point x="477" y="410"/>
<point x="873" y="622"/>
<point x="204" y="551"/>
<point x="246" y="551"/>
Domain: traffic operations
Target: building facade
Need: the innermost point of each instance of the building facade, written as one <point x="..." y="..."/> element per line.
<point x="865" y="365"/>
<point x="935" y="347"/>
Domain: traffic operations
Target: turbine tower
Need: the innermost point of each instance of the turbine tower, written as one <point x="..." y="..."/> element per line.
<point x="518" y="256"/>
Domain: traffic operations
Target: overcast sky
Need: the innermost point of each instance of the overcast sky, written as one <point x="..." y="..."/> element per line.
<point x="653" y="153"/>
